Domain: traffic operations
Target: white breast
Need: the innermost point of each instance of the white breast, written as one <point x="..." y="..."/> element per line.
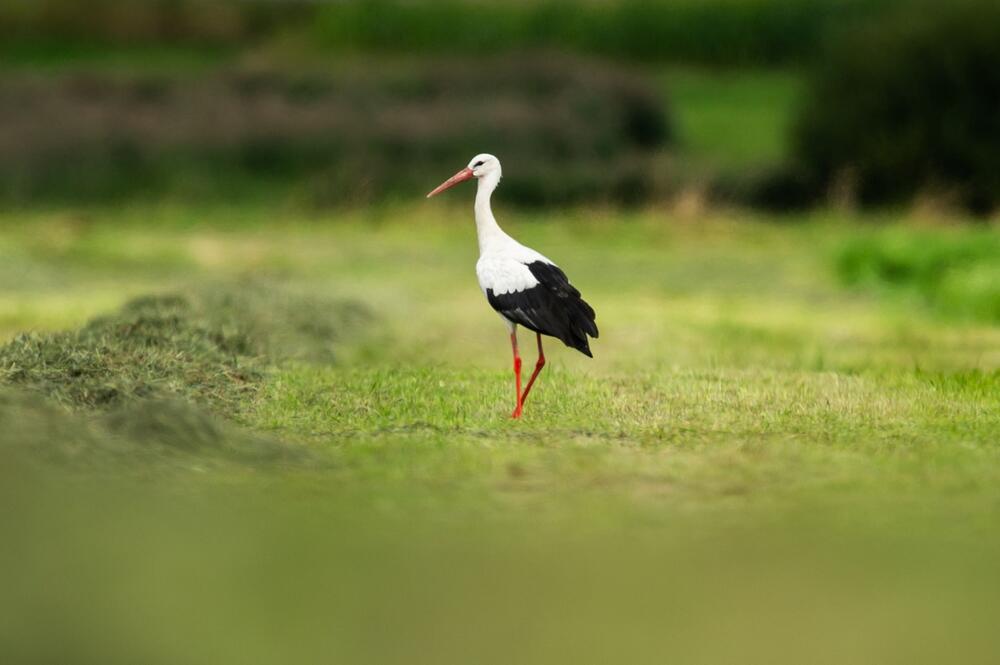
<point x="505" y="270"/>
<point x="503" y="275"/>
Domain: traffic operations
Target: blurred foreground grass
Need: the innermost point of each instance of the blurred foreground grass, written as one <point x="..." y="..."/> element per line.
<point x="759" y="465"/>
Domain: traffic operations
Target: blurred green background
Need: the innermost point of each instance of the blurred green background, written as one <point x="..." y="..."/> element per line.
<point x="875" y="102"/>
<point x="253" y="408"/>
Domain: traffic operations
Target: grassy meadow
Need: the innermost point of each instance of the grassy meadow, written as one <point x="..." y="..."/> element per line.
<point x="761" y="463"/>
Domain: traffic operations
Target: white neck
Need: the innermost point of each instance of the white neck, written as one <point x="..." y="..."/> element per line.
<point x="487" y="229"/>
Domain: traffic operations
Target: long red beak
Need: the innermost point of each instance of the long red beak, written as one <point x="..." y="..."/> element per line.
<point x="461" y="176"/>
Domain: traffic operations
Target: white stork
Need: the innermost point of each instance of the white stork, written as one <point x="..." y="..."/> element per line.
<point x="523" y="286"/>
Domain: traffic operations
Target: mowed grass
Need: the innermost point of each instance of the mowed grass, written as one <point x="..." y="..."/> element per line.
<point x="757" y="462"/>
<point x="720" y="336"/>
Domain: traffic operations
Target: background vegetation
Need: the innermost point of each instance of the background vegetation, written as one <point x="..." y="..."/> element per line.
<point x="882" y="102"/>
<point x="570" y="130"/>
<point x="906" y="106"/>
<point x="726" y="32"/>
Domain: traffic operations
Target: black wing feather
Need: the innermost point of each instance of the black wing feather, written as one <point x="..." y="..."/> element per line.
<point x="552" y="307"/>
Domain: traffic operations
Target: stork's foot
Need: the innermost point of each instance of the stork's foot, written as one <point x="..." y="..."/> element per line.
<point x="517" y="412"/>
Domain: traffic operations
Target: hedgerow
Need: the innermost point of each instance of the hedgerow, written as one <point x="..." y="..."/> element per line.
<point x="567" y="130"/>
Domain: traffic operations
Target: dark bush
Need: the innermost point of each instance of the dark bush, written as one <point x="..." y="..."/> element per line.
<point x="713" y="31"/>
<point x="910" y="105"/>
<point x="122" y="22"/>
<point x="726" y="32"/>
<point x="566" y="130"/>
<point x="776" y="188"/>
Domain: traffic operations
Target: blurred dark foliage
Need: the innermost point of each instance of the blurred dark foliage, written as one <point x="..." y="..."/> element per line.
<point x="140" y="22"/>
<point x="909" y="105"/>
<point x="903" y="102"/>
<point x="566" y="130"/>
<point x="706" y="31"/>
<point x="714" y="31"/>
<point x="776" y="188"/>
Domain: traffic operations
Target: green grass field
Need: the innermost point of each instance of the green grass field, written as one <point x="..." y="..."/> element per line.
<point x="759" y="465"/>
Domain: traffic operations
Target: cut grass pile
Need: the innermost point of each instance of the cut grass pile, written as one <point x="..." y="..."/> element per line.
<point x="210" y="348"/>
<point x="148" y="378"/>
<point x="148" y="434"/>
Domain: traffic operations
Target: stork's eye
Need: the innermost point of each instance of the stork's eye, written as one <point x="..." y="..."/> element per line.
<point x="478" y="164"/>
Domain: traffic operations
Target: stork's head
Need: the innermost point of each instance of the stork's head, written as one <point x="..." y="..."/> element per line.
<point x="481" y="166"/>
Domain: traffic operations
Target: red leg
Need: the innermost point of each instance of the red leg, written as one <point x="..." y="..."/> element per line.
<point x="517" y="374"/>
<point x="534" y="375"/>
